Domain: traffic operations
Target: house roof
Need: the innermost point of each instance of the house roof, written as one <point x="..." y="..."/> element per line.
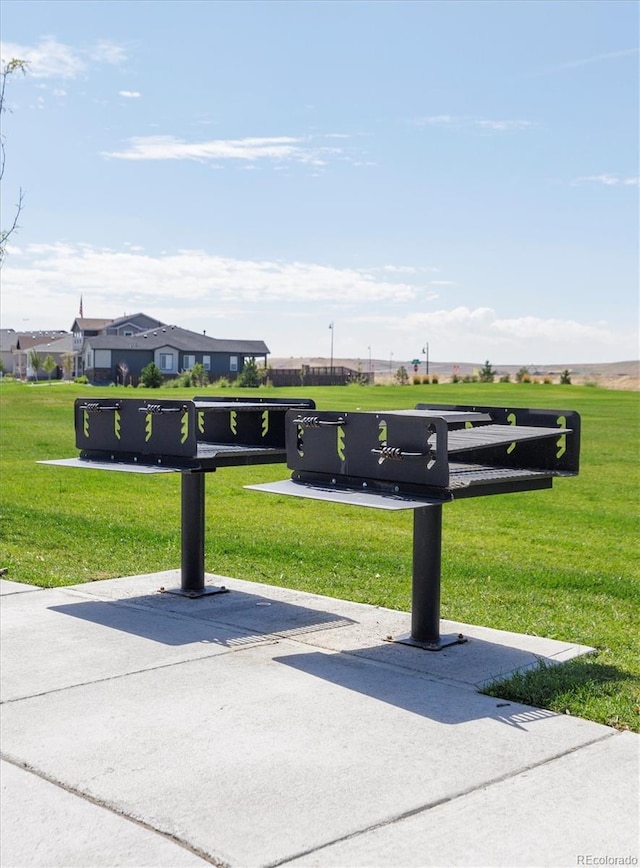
<point x="98" y="324"/>
<point x="26" y="340"/>
<point x="86" y="324"/>
<point x="179" y="339"/>
<point x="136" y="319"/>
<point x="61" y="344"/>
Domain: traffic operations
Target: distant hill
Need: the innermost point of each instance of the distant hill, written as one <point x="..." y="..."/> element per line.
<point x="611" y="375"/>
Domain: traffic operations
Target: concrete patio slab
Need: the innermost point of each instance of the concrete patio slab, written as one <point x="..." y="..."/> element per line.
<point x="562" y="813"/>
<point x="340" y="625"/>
<point x="267" y="726"/>
<point x="100" y="838"/>
<point x="72" y="638"/>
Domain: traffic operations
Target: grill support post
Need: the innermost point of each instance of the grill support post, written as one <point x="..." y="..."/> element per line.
<point x="427" y="559"/>
<point x="192" y="527"/>
<point x="426" y="580"/>
<point x="192" y="531"/>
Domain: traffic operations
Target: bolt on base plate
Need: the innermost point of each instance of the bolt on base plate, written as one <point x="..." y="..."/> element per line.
<point x="442" y="641"/>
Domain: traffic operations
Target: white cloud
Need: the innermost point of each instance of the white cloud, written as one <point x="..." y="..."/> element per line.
<point x="286" y="303"/>
<point x="129" y="94"/>
<point x="482" y="331"/>
<point x="596" y="58"/>
<point x="119" y="275"/>
<point x="534" y="328"/>
<point x="437" y="120"/>
<point x="52" y="59"/>
<point x="107" y="52"/>
<point x="608" y="180"/>
<point x="503" y="126"/>
<point x="464" y="122"/>
<point x="276" y="148"/>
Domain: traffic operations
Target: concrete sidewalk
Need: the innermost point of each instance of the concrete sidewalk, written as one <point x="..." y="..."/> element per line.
<point x="266" y="727"/>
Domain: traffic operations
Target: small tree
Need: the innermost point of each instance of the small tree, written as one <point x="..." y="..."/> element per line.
<point x="565" y="378"/>
<point x="487" y="373"/>
<point x="151" y="376"/>
<point x="67" y="365"/>
<point x="249" y="376"/>
<point x="522" y="373"/>
<point x="49" y="366"/>
<point x="35" y="362"/>
<point x="123" y="368"/>
<point x="401" y="376"/>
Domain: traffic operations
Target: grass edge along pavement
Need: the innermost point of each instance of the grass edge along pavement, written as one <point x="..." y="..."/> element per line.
<point x="560" y="563"/>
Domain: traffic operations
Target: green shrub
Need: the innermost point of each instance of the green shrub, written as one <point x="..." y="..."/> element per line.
<point x="487" y="373"/>
<point x="82" y="380"/>
<point x="173" y="383"/>
<point x="249" y="375"/>
<point x="199" y="377"/>
<point x="151" y="376"/>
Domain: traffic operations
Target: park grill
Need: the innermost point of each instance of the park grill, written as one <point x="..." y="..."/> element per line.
<point x="421" y="459"/>
<point x="415" y="459"/>
<point x="189" y="437"/>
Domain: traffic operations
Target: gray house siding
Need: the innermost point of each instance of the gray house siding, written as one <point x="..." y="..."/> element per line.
<point x="171" y="348"/>
<point x="103" y="375"/>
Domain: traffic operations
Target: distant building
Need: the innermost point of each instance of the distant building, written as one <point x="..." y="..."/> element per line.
<point x="16" y="346"/>
<point x="116" y="350"/>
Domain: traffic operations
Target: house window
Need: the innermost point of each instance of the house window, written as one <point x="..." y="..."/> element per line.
<point x="189" y="362"/>
<point x="206" y="363"/>
<point x="233" y="363"/>
<point x="166" y="361"/>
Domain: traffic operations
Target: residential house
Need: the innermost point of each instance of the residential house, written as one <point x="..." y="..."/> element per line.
<point x="16" y="346"/>
<point x="118" y="357"/>
<point x="116" y="350"/>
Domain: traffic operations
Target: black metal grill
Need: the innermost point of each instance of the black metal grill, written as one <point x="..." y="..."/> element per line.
<point x="410" y="459"/>
<point x="399" y="459"/>
<point x="191" y="437"/>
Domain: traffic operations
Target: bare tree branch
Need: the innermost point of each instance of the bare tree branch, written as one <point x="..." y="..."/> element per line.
<point x="8" y="69"/>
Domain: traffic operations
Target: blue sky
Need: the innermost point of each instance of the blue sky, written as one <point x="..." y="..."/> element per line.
<point x="462" y="173"/>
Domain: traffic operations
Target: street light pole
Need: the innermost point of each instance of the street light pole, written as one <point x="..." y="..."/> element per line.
<point x="331" y="327"/>
<point x="425" y="350"/>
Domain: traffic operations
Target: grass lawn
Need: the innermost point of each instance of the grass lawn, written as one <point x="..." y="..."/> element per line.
<point x="562" y="563"/>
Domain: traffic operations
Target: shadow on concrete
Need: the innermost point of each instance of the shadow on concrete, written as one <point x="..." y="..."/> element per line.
<point x="424" y="695"/>
<point x="230" y="620"/>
